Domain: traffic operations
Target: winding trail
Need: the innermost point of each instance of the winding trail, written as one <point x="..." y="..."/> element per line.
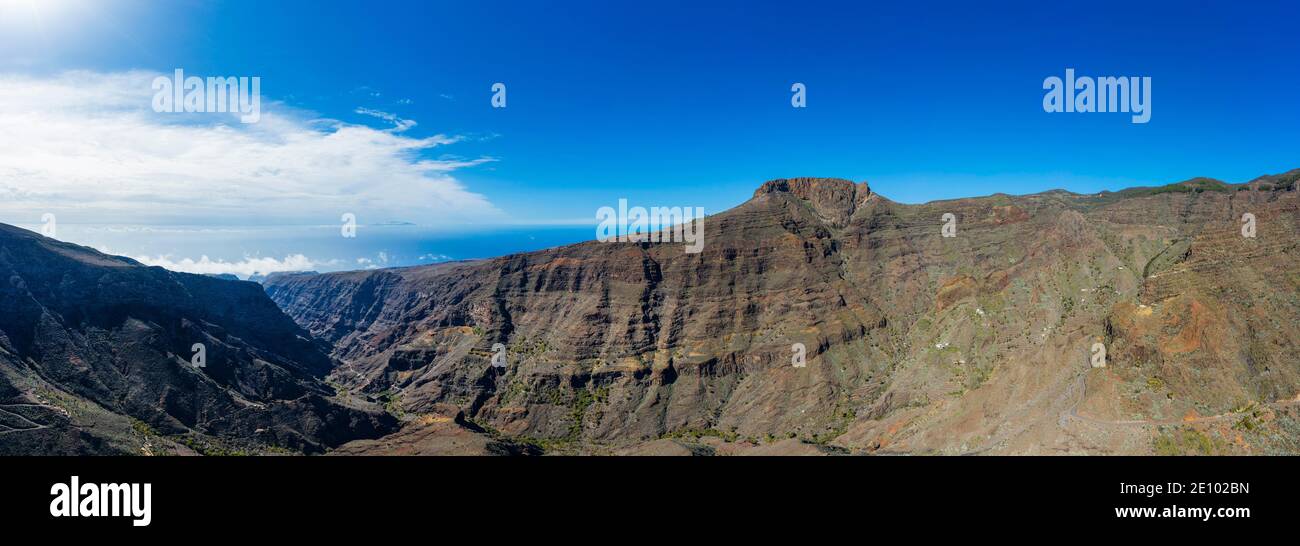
<point x="35" y="426"/>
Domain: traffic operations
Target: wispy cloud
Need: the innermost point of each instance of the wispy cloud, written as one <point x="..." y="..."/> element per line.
<point x="399" y="124"/>
<point x="89" y="147"/>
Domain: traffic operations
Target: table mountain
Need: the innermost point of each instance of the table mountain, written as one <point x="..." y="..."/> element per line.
<point x="915" y="342"/>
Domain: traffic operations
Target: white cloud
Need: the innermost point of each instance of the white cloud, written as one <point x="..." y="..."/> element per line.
<point x="89" y="147"/>
<point x="243" y="269"/>
<point x="399" y="124"/>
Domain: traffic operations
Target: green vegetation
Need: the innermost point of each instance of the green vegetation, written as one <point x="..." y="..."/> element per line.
<point x="547" y="445"/>
<point x="1287" y="181"/>
<point x="979" y="374"/>
<point x="991" y="303"/>
<point x="1186" y="441"/>
<point x="143" y="428"/>
<point x="581" y="401"/>
<point x="843" y="418"/>
<point x="339" y="390"/>
<point x="209" y="448"/>
<point x="920" y="402"/>
<point x="73" y="406"/>
<point x="697" y="433"/>
<point x="528" y="347"/>
<point x="578" y="410"/>
<point x="1251" y="420"/>
<point x="513" y="390"/>
<point x="392" y="403"/>
<point x="1196" y="185"/>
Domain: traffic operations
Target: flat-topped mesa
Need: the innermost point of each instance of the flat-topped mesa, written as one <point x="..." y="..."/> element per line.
<point x="835" y="199"/>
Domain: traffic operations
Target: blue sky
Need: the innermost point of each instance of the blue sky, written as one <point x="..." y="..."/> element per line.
<point x="671" y="96"/>
<point x="679" y="103"/>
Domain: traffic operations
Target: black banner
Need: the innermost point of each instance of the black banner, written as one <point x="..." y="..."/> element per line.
<point x="306" y="496"/>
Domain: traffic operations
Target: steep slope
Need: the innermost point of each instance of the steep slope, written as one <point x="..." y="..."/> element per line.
<point x="95" y="357"/>
<point x="916" y="342"/>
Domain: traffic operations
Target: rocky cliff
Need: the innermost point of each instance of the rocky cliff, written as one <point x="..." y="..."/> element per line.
<point x="96" y="356"/>
<point x="915" y="342"/>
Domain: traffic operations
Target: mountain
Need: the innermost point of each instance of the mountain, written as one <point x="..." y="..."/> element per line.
<point x="915" y="342"/>
<point x="98" y="356"/>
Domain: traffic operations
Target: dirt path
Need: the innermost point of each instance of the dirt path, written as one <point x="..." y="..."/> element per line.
<point x="35" y="425"/>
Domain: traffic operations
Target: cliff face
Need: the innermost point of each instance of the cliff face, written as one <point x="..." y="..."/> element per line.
<point x="95" y="357"/>
<point x="915" y="342"/>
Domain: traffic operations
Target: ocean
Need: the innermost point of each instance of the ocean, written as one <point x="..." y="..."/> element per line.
<point x="254" y="251"/>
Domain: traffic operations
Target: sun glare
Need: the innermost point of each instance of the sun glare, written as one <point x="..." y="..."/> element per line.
<point x="22" y="5"/>
<point x="31" y="14"/>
